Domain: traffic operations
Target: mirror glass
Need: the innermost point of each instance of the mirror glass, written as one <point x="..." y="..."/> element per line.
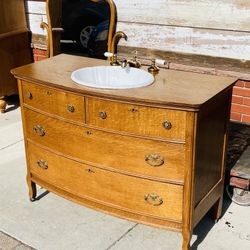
<point x="84" y="26"/>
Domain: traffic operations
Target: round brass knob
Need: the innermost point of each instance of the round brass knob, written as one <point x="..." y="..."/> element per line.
<point x="154" y="160"/>
<point x="29" y="95"/>
<point x="103" y="114"/>
<point x="39" y="130"/>
<point x="167" y="125"/>
<point x="153" y="199"/>
<point x="71" y="108"/>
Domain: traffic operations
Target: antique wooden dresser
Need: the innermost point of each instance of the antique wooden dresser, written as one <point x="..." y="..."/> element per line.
<point x="153" y="155"/>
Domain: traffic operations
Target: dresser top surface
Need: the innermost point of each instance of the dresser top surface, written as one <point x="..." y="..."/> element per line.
<point x="171" y="88"/>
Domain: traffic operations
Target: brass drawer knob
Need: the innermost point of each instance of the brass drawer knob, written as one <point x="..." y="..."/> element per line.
<point x="71" y="108"/>
<point x="167" y="125"/>
<point x="42" y="164"/>
<point x="154" y="160"/>
<point x="39" y="130"/>
<point x="153" y="199"/>
<point x="29" y="95"/>
<point x="103" y="114"/>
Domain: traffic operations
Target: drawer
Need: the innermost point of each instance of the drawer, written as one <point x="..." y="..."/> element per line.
<point x="55" y="102"/>
<point x="131" y="155"/>
<point x="140" y="120"/>
<point x="124" y="192"/>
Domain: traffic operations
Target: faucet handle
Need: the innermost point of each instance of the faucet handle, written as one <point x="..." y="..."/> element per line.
<point x="153" y="67"/>
<point x="135" y="52"/>
<point x="108" y="54"/>
<point x="160" y="61"/>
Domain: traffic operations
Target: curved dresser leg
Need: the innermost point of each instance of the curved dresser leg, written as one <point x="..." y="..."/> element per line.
<point x="2" y="105"/>
<point x="186" y="235"/>
<point x="32" y="190"/>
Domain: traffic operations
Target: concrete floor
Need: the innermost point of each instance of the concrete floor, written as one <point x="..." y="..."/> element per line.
<point x="53" y="223"/>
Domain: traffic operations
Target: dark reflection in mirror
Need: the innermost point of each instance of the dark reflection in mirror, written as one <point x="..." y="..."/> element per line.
<point x="86" y="26"/>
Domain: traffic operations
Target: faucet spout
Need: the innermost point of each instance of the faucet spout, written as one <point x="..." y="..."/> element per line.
<point x="116" y="38"/>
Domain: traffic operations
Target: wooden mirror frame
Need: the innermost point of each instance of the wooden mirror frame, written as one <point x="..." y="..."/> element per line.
<point x="54" y="28"/>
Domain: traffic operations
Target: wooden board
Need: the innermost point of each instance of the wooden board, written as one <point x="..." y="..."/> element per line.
<point x="10" y="20"/>
<point x="215" y="43"/>
<point x="219" y="29"/>
<point x="222" y="14"/>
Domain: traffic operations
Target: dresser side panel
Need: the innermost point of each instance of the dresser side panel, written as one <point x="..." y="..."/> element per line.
<point x="211" y="130"/>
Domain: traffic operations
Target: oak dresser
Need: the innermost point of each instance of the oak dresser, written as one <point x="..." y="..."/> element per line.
<point x="154" y="155"/>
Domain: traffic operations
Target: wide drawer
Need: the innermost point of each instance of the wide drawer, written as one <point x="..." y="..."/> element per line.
<point x="124" y="192"/>
<point x="135" y="119"/>
<point x="135" y="156"/>
<point x="55" y="102"/>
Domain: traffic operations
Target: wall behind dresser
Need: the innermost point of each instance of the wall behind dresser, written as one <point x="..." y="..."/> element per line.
<point x="207" y="27"/>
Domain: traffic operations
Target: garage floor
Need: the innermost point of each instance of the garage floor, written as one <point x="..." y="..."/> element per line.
<point x="55" y="223"/>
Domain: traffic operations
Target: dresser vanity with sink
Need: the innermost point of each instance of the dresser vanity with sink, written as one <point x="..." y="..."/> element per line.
<point x="154" y="155"/>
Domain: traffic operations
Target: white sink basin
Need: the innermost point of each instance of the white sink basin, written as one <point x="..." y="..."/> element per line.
<point x="112" y="77"/>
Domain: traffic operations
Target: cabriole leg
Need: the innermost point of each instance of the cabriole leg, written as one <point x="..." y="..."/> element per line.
<point x="32" y="190"/>
<point x="2" y="105"/>
<point x="186" y="235"/>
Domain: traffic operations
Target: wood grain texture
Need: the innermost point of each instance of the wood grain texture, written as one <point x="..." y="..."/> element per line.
<point x="110" y="151"/>
<point x="136" y="119"/>
<point x="156" y="222"/>
<point x="219" y="29"/>
<point x="210" y="135"/>
<point x="31" y="185"/>
<point x="11" y="19"/>
<point x="170" y="88"/>
<point x="14" y="44"/>
<point x="223" y="15"/>
<point x="106" y="187"/>
<point x="216" y="43"/>
<point x="189" y="180"/>
<point x="50" y="100"/>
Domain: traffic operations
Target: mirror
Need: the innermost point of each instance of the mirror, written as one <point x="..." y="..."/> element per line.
<point x="80" y="27"/>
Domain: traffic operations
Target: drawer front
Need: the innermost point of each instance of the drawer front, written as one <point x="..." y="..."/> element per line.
<point x="55" y="102"/>
<point x="131" y="155"/>
<point x="155" y="122"/>
<point x="121" y="191"/>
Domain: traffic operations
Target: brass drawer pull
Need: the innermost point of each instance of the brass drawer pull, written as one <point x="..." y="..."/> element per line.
<point x="42" y="164"/>
<point x="167" y="125"/>
<point x="29" y="95"/>
<point x="103" y="114"/>
<point x="49" y="93"/>
<point x="153" y="199"/>
<point x="133" y="110"/>
<point x="154" y="160"/>
<point x="39" y="130"/>
<point x="71" y="108"/>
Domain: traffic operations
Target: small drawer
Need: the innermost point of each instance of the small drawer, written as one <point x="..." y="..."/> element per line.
<point x="137" y="195"/>
<point x="134" y="156"/>
<point x="140" y="120"/>
<point x="55" y="102"/>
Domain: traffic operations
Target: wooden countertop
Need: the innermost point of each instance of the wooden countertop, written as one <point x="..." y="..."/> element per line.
<point x="171" y="88"/>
